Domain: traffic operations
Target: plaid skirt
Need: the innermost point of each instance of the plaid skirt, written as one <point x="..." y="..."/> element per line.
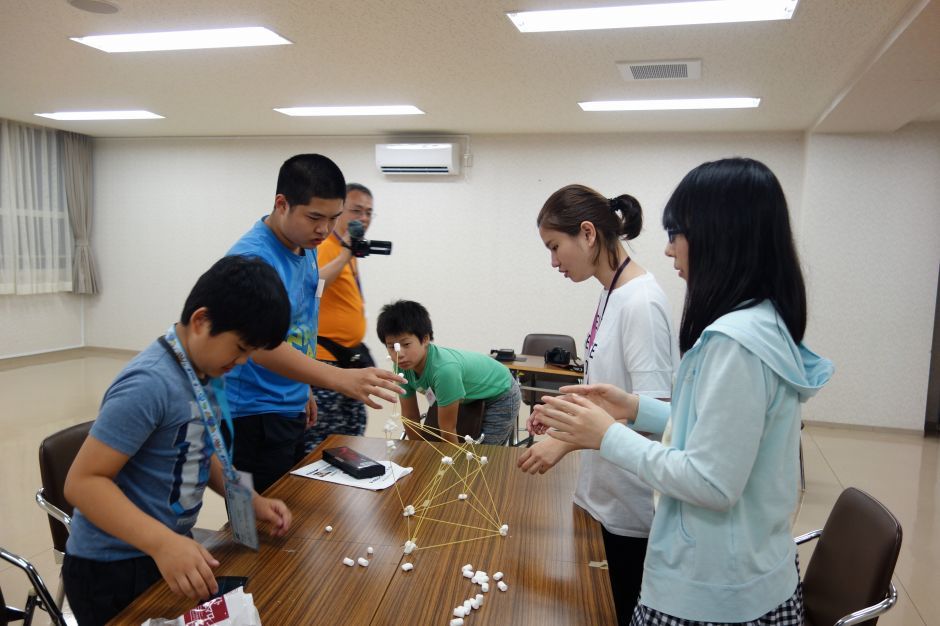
<point x="790" y="613"/>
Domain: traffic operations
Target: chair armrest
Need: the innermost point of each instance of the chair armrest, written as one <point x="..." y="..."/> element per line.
<point x="53" y="511"/>
<point x="867" y="613"/>
<point x="46" y="601"/>
<point x="813" y="534"/>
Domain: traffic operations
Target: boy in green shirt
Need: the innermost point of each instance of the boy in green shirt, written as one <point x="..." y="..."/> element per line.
<point x="447" y="376"/>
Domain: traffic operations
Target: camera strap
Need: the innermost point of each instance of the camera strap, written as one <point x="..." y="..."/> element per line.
<point x="353" y="264"/>
<point x="599" y="313"/>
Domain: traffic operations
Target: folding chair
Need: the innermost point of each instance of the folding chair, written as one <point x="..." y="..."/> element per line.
<point x="38" y="598"/>
<point x="848" y="578"/>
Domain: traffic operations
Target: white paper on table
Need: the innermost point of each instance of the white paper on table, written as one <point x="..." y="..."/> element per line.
<point x="321" y="470"/>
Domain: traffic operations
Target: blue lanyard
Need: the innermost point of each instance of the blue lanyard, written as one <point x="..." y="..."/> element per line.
<point x="208" y="417"/>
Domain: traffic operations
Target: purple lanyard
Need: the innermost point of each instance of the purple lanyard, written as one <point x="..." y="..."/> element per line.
<point x="599" y="313"/>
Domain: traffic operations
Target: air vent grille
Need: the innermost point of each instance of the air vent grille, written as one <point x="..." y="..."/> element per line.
<point x="660" y="70"/>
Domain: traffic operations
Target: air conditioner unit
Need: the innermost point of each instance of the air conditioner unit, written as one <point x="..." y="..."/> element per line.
<point x="417" y="158"/>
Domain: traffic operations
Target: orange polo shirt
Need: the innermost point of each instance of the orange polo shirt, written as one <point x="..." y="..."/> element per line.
<point x="342" y="310"/>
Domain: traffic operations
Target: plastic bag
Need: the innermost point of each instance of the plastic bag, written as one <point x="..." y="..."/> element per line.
<point x="236" y="608"/>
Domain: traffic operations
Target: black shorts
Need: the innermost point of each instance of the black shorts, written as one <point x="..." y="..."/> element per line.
<point x="99" y="590"/>
<point x="268" y="445"/>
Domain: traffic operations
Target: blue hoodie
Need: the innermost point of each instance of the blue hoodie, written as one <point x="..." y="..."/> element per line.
<point x="721" y="548"/>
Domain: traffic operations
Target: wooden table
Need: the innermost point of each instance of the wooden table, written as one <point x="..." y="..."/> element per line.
<point x="300" y="578"/>
<point x="532" y="364"/>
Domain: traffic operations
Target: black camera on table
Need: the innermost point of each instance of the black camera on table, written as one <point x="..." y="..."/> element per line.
<point x="362" y="247"/>
<point x="557" y="356"/>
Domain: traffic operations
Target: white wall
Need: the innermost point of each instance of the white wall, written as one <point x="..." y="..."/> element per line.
<point x="467" y="248"/>
<point x="864" y="209"/>
<point x="39" y="323"/>
<point x="871" y="249"/>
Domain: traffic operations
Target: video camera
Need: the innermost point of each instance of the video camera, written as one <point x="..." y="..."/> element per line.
<point x="362" y="247"/>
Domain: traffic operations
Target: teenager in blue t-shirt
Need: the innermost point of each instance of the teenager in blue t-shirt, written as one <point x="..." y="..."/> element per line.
<point x="270" y="395"/>
<point x="137" y="482"/>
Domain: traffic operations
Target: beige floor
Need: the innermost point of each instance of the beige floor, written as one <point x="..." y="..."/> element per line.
<point x="46" y="393"/>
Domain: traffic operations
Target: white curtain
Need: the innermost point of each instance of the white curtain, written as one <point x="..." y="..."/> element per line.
<point x="35" y="236"/>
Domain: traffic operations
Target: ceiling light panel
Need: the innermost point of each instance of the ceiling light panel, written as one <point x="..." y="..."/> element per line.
<point x="393" y="109"/>
<point x="670" y="105"/>
<point x="661" y="14"/>
<point x="185" y="40"/>
<point x="101" y="115"/>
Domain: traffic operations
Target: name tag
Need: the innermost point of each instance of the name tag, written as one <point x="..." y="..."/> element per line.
<point x="241" y="512"/>
<point x="429" y="394"/>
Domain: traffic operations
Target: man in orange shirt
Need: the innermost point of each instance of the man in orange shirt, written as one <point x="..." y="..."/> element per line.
<point x="342" y="325"/>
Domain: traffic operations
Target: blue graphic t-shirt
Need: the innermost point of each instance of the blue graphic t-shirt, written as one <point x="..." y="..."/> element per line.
<point x="150" y="414"/>
<point x="250" y="388"/>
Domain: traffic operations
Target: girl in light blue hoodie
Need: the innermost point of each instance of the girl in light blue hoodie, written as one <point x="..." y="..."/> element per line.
<point x="720" y="548"/>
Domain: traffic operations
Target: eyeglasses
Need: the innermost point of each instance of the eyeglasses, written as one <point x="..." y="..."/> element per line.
<point x="360" y="213"/>
<point x="672" y="233"/>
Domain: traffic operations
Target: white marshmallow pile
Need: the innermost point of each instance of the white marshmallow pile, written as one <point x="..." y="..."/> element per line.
<point x="478" y="577"/>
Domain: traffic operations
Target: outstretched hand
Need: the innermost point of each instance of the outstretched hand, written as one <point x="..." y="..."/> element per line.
<point x="542" y="456"/>
<point x="619" y="404"/>
<point x="363" y="383"/>
<point x="186" y="566"/>
<point x="577" y="421"/>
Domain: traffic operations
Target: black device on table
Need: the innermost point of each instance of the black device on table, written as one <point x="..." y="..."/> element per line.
<point x="226" y="584"/>
<point x="355" y="464"/>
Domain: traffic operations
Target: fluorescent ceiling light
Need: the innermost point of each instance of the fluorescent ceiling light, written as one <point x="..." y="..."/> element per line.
<point x="660" y="14"/>
<point x="185" y="40"/>
<point x="670" y="105"/>
<point x="101" y="115"/>
<point x="395" y="109"/>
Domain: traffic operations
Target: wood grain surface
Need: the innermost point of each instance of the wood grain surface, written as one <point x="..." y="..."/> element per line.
<point x="300" y="578"/>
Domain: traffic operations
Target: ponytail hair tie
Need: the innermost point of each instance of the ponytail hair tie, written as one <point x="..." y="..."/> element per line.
<point x="612" y="203"/>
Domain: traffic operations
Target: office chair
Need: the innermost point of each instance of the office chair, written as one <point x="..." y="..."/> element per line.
<point x="38" y="598"/>
<point x="848" y="578"/>
<point x="537" y="344"/>
<point x="56" y="454"/>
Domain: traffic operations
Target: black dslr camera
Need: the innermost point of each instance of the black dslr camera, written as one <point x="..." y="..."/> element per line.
<point x="362" y="247"/>
<point x="557" y="356"/>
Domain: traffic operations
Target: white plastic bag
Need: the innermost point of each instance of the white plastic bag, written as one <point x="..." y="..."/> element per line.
<point x="236" y="608"/>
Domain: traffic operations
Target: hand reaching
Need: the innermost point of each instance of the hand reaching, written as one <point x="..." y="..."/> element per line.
<point x="542" y="456"/>
<point x="619" y="404"/>
<point x="275" y="512"/>
<point x="363" y="383"/>
<point x="577" y="421"/>
<point x="186" y="566"/>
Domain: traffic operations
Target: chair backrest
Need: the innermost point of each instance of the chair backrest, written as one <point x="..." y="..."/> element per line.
<point x="469" y="418"/>
<point x="537" y="344"/>
<point x="853" y="560"/>
<point x="56" y="453"/>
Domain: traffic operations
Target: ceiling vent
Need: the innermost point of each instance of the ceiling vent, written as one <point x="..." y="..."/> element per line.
<point x="661" y="70"/>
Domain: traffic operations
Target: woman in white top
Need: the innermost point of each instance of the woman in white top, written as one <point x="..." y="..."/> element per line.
<point x="630" y="344"/>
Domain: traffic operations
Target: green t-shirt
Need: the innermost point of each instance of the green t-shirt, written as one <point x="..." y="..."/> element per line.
<point x="456" y="375"/>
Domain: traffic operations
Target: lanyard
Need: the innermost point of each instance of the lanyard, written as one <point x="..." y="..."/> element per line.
<point x="208" y="417"/>
<point x="599" y="315"/>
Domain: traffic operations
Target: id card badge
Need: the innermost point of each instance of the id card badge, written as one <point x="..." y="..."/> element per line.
<point x="241" y="513"/>
<point x="429" y="394"/>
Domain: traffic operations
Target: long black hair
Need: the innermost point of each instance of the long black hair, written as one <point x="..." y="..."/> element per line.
<point x="734" y="216"/>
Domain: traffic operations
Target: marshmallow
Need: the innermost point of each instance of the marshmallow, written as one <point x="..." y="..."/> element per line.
<point x="457" y="621"/>
<point x="363" y="562"/>
<point x="389" y="444"/>
<point x="467" y="605"/>
<point x="468" y="574"/>
<point x="469" y="456"/>
<point x="369" y="550"/>
<point x="459" y="611"/>
<point x="484" y="460"/>
<point x="407" y="566"/>
<point x="409" y="511"/>
<point x="348" y="561"/>
<point x="410" y="546"/>
<point x="468" y="438"/>
<point x="462" y="496"/>
<point x="328" y="529"/>
<point x="475" y="603"/>
<point x="502" y="586"/>
<point x="504" y="530"/>
<point x="498" y="576"/>
<point x="485" y="587"/>
<point x="397" y="346"/>
<point x="467" y="566"/>
<point x="479" y="598"/>
<point x="447" y="460"/>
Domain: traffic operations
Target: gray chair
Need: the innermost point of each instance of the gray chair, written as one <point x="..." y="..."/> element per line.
<point x="38" y="598"/>
<point x="537" y="344"/>
<point x="848" y="578"/>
